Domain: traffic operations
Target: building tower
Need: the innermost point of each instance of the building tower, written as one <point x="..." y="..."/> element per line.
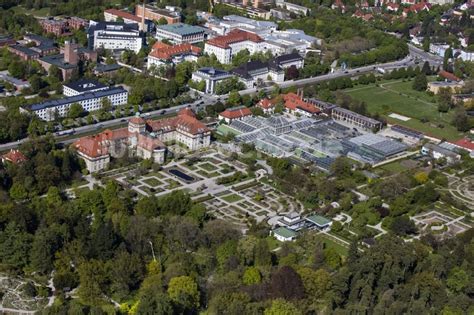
<point x="143" y="18"/>
<point x="70" y="53"/>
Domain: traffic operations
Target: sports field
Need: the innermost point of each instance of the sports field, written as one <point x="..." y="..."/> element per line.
<point x="399" y="97"/>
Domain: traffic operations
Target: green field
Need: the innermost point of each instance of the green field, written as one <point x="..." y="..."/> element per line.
<point x="43" y="12"/>
<point x="232" y="198"/>
<point x="399" y="97"/>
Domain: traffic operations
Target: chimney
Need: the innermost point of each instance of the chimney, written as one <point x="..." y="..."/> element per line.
<point x="143" y="17"/>
<point x="70" y="53"/>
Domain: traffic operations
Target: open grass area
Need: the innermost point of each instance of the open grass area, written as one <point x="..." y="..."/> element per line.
<point x="232" y="198"/>
<point x="43" y="12"/>
<point x="153" y="182"/>
<point x="329" y="243"/>
<point x="394" y="167"/>
<point x="398" y="97"/>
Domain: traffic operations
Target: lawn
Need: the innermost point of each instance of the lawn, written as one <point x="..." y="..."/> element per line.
<point x="207" y="167"/>
<point x="153" y="182"/>
<point x="232" y="198"/>
<point x="43" y="12"/>
<point x="399" y="97"/>
<point x="329" y="243"/>
<point x="394" y="167"/>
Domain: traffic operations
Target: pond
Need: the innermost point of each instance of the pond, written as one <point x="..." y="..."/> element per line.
<point x="181" y="175"/>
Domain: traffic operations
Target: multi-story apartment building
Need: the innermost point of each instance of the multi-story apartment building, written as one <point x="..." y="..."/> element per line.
<point x="90" y="101"/>
<point x="180" y="33"/>
<point x="162" y="54"/>
<point x="83" y="86"/>
<point x="115" y="36"/>
<point x="155" y="14"/>
<point x="227" y="46"/>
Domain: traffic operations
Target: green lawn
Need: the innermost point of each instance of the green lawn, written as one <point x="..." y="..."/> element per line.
<point x="232" y="198"/>
<point x="153" y="182"/>
<point x="394" y="167"/>
<point x="43" y="12"/>
<point x="329" y="243"/>
<point x="399" y="97"/>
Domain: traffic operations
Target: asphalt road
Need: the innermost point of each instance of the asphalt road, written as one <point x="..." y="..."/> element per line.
<point x="208" y="100"/>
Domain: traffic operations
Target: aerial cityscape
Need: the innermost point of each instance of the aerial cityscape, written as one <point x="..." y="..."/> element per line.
<point x="266" y="157"/>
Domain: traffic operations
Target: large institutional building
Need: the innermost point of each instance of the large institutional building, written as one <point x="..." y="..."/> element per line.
<point x="144" y="139"/>
<point x="227" y="46"/>
<point x="115" y="36"/>
<point x="90" y="101"/>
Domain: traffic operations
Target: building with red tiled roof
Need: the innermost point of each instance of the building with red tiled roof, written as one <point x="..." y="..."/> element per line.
<point x="448" y="76"/>
<point x="144" y="139"/>
<point x="392" y="7"/>
<point x="114" y="15"/>
<point x="235" y="113"/>
<point x="162" y="54"/>
<point x="295" y="104"/>
<point x="14" y="156"/>
<point x="415" y="8"/>
<point x="226" y="46"/>
<point x="465" y="144"/>
<point x="267" y="105"/>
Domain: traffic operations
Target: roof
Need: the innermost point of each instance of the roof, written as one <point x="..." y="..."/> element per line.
<point x="167" y="52"/>
<point x="137" y="120"/>
<point x="284" y="232"/>
<point x="107" y="68"/>
<point x="465" y="143"/>
<point x="123" y="14"/>
<point x="213" y="72"/>
<point x="58" y="60"/>
<point x="27" y="51"/>
<point x="356" y="115"/>
<point x="318" y="220"/>
<point x="293" y="102"/>
<point x="245" y="70"/>
<point x="181" y="29"/>
<point x="236" y="112"/>
<point x="149" y="143"/>
<point x="439" y="149"/>
<point x="91" y="146"/>
<point x="85" y="85"/>
<point x="266" y="103"/>
<point x="77" y="98"/>
<point x="113" y="27"/>
<point x="287" y="58"/>
<point x="183" y="122"/>
<point x="40" y="40"/>
<point x="14" y="156"/>
<point x="448" y="75"/>
<point x="232" y="37"/>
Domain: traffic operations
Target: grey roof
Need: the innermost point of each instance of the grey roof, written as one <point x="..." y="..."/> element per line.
<point x="58" y="60"/>
<point x="113" y="26"/>
<point x="106" y="68"/>
<point x="25" y="50"/>
<point x="380" y="144"/>
<point x="443" y="150"/>
<point x="181" y="29"/>
<point x="43" y="40"/>
<point x="213" y="72"/>
<point x="77" y="98"/>
<point x="354" y="114"/>
<point x="85" y="85"/>
<point x="246" y="70"/>
<point x="287" y="58"/>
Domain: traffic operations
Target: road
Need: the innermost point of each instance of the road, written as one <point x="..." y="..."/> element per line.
<point x="209" y="100"/>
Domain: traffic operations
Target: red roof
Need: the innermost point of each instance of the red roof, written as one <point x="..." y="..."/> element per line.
<point x="166" y="52"/>
<point x="14" y="156"/>
<point x="465" y="144"/>
<point x="234" y="36"/>
<point x="184" y="122"/>
<point x="123" y="15"/>
<point x="149" y="143"/>
<point x="237" y="112"/>
<point x="137" y="120"/>
<point x="393" y="6"/>
<point x="265" y="103"/>
<point x="293" y="101"/>
<point x="187" y="112"/>
<point x="448" y="75"/>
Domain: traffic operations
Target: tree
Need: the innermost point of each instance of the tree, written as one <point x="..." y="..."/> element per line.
<point x="420" y="83"/>
<point x="458" y="280"/>
<point x="251" y="276"/>
<point x="402" y="225"/>
<point x="234" y="98"/>
<point x="17" y="69"/>
<point x="14" y="246"/>
<point x="92" y="279"/>
<point x="152" y="302"/>
<point x="421" y="177"/>
<point x="75" y="111"/>
<point x="162" y="21"/>
<point x="36" y="83"/>
<point x="184" y="292"/>
<point x="426" y="69"/>
<point x="55" y="73"/>
<point x="282" y="307"/>
<point x="341" y="167"/>
<point x="316" y="283"/>
<point x="284" y="278"/>
<point x="461" y="120"/>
